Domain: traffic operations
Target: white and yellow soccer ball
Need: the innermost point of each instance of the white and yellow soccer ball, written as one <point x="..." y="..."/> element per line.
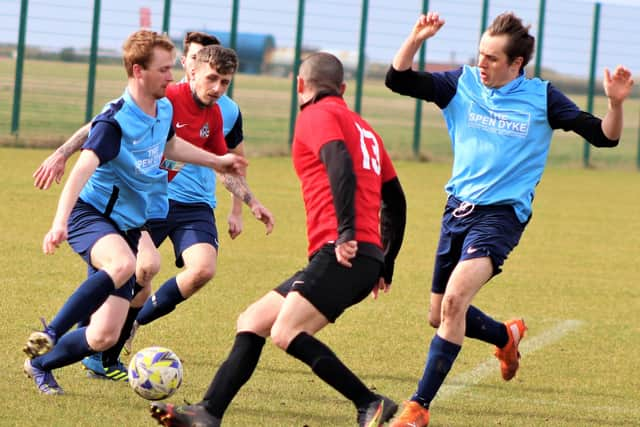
<point x="155" y="373"/>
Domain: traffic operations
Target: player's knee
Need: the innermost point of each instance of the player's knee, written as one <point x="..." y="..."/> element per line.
<point x="452" y="306"/>
<point x="121" y="270"/>
<point x="250" y="321"/>
<point x="146" y="270"/>
<point x="200" y="276"/>
<point x="281" y="337"/>
<point x="102" y="340"/>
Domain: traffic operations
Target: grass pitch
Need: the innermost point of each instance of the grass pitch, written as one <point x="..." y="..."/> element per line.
<point x="574" y="278"/>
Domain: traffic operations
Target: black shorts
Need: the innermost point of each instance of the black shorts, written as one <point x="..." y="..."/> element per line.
<point x="329" y="286"/>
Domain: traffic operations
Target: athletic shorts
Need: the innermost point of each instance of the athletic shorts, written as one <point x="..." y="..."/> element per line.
<point x="473" y="232"/>
<point x="186" y="225"/>
<point x="330" y="287"/>
<point x="86" y="226"/>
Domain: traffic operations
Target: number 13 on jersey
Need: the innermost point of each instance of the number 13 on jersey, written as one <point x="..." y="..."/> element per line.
<point x="370" y="150"/>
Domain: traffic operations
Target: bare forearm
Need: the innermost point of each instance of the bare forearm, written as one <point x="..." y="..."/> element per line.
<point x="237" y="185"/>
<point x="612" y="121"/>
<point x="84" y="168"/>
<point x="75" y="142"/>
<point x="403" y="60"/>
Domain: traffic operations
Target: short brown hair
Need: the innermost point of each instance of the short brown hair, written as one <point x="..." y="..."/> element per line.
<point x="204" y="39"/>
<point x="322" y="71"/>
<point x="221" y="59"/>
<point x="520" y="43"/>
<point x="138" y="48"/>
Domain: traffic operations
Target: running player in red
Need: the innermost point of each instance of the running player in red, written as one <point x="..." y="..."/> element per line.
<point x="356" y="214"/>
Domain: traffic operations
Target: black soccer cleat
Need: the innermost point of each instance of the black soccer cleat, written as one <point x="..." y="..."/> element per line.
<point x="170" y="415"/>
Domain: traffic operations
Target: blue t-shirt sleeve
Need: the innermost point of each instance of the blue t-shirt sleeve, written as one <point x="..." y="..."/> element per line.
<point x="235" y="136"/>
<point x="560" y="109"/>
<point x="445" y="86"/>
<point x="104" y="140"/>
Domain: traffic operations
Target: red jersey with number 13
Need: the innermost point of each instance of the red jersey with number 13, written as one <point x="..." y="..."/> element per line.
<point x="325" y="121"/>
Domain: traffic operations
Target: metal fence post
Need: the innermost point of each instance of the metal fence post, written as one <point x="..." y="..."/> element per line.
<point x="586" y="152"/>
<point x="296" y="65"/>
<point x="93" y="59"/>
<point x="233" y="35"/>
<point x="542" y="9"/>
<point x="17" y="90"/>
<point x="417" y="119"/>
<point x="166" y="16"/>
<point x="361" y="55"/>
<point x="484" y="23"/>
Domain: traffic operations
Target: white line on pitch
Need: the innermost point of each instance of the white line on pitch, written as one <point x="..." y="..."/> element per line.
<point x="490" y="366"/>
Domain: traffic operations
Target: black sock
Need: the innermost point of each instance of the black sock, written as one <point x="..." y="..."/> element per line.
<point x="326" y="365"/>
<point x="233" y="373"/>
<point x="110" y="356"/>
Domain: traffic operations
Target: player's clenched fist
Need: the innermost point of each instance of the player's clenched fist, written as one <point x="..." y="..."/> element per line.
<point x="427" y="26"/>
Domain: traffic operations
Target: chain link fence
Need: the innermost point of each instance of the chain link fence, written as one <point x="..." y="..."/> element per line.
<point x="60" y="62"/>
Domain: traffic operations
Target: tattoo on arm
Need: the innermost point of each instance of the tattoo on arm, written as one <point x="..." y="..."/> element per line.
<point x="75" y="141"/>
<point x="237" y="185"/>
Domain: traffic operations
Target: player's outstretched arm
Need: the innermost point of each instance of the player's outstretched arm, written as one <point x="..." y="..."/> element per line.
<point x="52" y="168"/>
<point x="426" y="26"/>
<point x="617" y="87"/>
<point x="180" y="150"/>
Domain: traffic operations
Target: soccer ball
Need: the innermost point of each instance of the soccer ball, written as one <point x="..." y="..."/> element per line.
<point x="155" y="373"/>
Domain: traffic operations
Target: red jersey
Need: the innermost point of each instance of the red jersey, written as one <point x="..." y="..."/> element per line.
<point x="201" y="127"/>
<point x="331" y="120"/>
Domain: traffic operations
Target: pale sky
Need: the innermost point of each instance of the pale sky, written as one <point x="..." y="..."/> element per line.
<point x="334" y="25"/>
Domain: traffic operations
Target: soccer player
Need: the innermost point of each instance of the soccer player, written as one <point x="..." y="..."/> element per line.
<point x="351" y="192"/>
<point x="231" y="117"/>
<point x="500" y="123"/>
<point x="190" y="223"/>
<point x="104" y="206"/>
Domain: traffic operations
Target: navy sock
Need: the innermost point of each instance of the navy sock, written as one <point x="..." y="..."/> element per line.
<point x="233" y="373"/>
<point x="162" y="302"/>
<point x="484" y="328"/>
<point x="442" y="354"/>
<point x="110" y="356"/>
<point x="326" y="365"/>
<point x="72" y="347"/>
<point x="83" y="302"/>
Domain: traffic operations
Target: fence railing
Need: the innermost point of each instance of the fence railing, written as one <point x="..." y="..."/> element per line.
<point x="59" y="61"/>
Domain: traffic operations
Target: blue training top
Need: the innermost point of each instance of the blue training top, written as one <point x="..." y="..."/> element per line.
<point x="129" y="144"/>
<point x="500" y="137"/>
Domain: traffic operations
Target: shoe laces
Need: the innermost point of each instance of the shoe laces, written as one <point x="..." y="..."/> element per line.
<point x="47" y="330"/>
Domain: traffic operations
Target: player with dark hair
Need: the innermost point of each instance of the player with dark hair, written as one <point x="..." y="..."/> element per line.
<point x="500" y="124"/>
<point x="104" y="206"/>
<point x="355" y="210"/>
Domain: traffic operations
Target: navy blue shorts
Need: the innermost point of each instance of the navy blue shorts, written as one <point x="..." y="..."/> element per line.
<point x="186" y="225"/>
<point x="330" y="287"/>
<point x="86" y="226"/>
<point x="473" y="232"/>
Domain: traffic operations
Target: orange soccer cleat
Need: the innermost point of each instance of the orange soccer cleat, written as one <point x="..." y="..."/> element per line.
<point x="509" y="355"/>
<point x="413" y="415"/>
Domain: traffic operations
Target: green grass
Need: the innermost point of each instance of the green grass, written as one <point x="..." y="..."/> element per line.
<point x="53" y="107"/>
<point x="577" y="261"/>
